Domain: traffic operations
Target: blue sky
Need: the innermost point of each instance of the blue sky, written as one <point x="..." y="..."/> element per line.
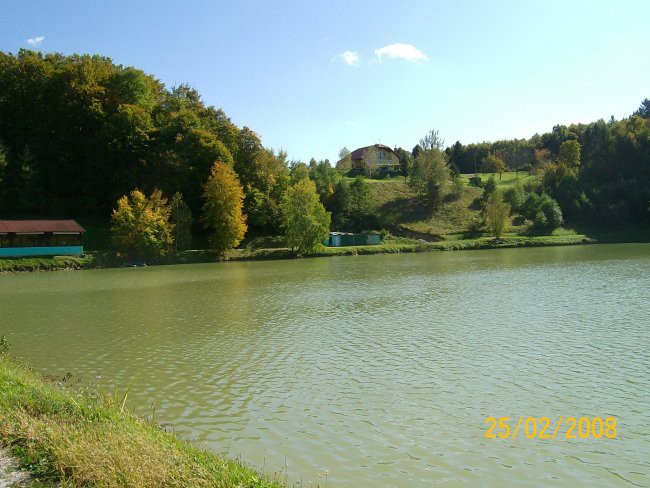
<point x="313" y="76"/>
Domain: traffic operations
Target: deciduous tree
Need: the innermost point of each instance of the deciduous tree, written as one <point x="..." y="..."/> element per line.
<point x="222" y="210"/>
<point x="570" y="154"/>
<point x="430" y="174"/>
<point x="493" y="164"/>
<point x="304" y="218"/>
<point x="140" y="226"/>
<point x="496" y="215"/>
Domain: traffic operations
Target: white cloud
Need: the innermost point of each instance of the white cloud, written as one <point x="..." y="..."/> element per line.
<point x="351" y="58"/>
<point x="401" y="51"/>
<point x="35" y="41"/>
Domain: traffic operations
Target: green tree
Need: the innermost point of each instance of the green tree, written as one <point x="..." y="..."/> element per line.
<point x="360" y="202"/>
<point x="493" y="164"/>
<point x="405" y="161"/>
<point x="140" y="226"/>
<point x="326" y="178"/>
<point x="304" y="218"/>
<point x="341" y="205"/>
<point x="552" y="211"/>
<point x="644" y="109"/>
<point x="456" y="157"/>
<point x="489" y="190"/>
<point x="457" y="187"/>
<point x="181" y="217"/>
<point x="514" y="197"/>
<point x="430" y="174"/>
<point x="299" y="171"/>
<point x="222" y="210"/>
<point x="496" y="215"/>
<point x="570" y="154"/>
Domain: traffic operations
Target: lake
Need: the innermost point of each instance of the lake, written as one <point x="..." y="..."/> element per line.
<point x="370" y="370"/>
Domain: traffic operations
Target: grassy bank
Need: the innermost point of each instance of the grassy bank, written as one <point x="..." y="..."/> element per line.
<point x="47" y="263"/>
<point x="392" y="246"/>
<point x="73" y="439"/>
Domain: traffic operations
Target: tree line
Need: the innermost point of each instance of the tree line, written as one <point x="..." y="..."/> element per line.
<point x="82" y="136"/>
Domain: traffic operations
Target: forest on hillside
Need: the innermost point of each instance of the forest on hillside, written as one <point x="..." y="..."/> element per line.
<point x="79" y="132"/>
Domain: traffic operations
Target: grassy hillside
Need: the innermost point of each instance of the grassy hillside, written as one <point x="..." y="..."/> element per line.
<point x="506" y="180"/>
<point x="71" y="439"/>
<point x="402" y="211"/>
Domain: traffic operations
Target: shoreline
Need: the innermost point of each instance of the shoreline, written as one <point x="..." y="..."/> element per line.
<point x="53" y="434"/>
<point x="103" y="260"/>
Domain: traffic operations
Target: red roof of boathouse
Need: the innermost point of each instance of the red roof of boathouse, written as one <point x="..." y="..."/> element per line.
<point x="40" y="226"/>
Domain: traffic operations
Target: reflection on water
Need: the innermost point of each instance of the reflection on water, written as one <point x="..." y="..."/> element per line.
<point x="379" y="369"/>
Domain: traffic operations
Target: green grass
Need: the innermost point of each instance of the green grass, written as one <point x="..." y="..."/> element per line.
<point x="88" y="260"/>
<point x="507" y="179"/>
<point x="67" y="438"/>
<point x="374" y="181"/>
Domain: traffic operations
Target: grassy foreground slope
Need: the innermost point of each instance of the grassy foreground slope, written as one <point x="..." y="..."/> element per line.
<point x="72" y="439"/>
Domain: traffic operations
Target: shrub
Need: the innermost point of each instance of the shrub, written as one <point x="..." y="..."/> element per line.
<point x="552" y="212"/>
<point x="514" y="197"/>
<point x="540" y="221"/>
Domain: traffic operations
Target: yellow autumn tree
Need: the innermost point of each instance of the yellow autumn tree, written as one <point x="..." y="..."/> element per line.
<point x="140" y="226"/>
<point x="222" y="210"/>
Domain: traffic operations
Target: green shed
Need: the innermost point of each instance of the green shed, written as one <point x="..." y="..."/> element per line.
<point x="337" y="239"/>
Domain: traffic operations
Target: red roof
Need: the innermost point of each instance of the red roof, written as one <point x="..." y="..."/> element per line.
<point x="360" y="153"/>
<point x="38" y="226"/>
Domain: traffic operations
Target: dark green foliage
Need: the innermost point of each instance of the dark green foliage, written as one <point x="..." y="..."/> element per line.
<point x="489" y="189"/>
<point x="430" y="172"/>
<point x="514" y="197"/>
<point x="644" y="109"/>
<point x="181" y="217"/>
<point x="405" y="161"/>
<point x="341" y="206"/>
<point x="540" y="221"/>
<point x="299" y="171"/>
<point x="544" y="211"/>
<point x="77" y="132"/>
<point x="552" y="212"/>
<point x="475" y="181"/>
<point x="326" y="178"/>
<point x="457" y="188"/>
<point x="530" y="206"/>
<point x="360" y="200"/>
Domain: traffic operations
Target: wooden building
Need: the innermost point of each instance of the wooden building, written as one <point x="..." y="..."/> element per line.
<point x="40" y="238"/>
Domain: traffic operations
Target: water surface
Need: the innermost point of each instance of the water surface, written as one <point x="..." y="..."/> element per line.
<point x="369" y="370"/>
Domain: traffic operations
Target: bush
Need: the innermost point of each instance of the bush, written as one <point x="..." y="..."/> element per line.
<point x="514" y="197"/>
<point x="543" y="210"/>
<point x="457" y="188"/>
<point x="540" y="221"/>
<point x="475" y="181"/>
<point x="552" y="212"/>
<point x="530" y="206"/>
<point x="488" y="190"/>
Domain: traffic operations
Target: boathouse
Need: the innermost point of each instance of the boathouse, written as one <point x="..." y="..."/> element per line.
<point x="40" y="238"/>
<point x="338" y="239"/>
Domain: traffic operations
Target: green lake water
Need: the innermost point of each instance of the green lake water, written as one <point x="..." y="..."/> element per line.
<point x="370" y="370"/>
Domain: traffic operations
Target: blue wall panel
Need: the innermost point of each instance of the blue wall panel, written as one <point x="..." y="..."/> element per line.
<point x="16" y="252"/>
